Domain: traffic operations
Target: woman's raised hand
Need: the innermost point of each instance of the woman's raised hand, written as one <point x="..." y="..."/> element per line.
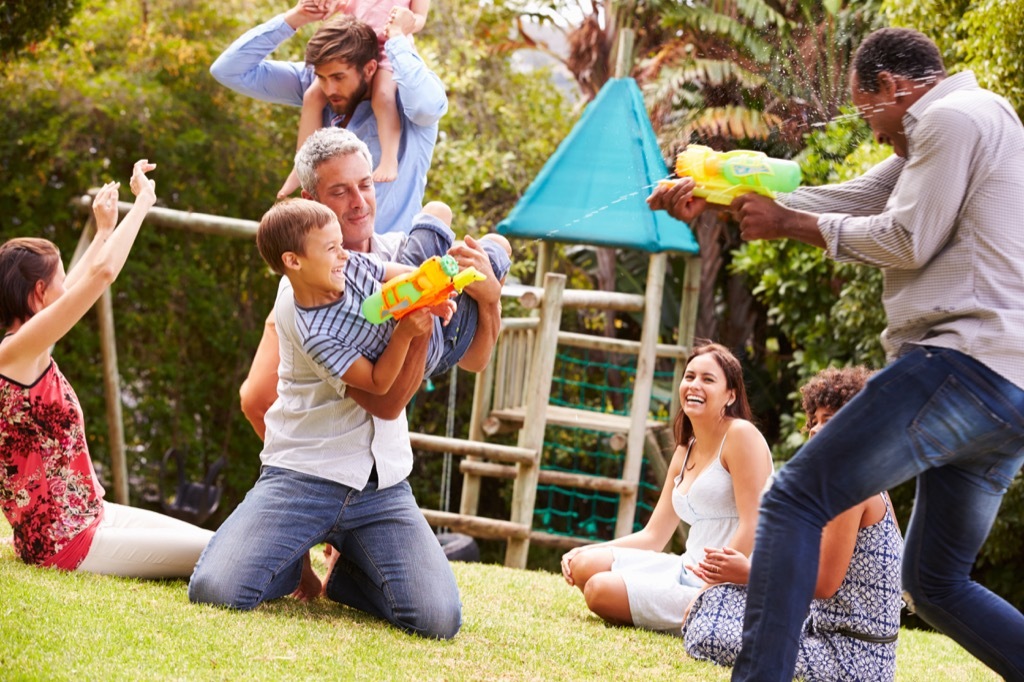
<point x="104" y="208"/>
<point x="142" y="187"/>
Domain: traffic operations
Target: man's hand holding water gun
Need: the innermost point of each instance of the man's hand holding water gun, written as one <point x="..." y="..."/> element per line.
<point x="754" y="207"/>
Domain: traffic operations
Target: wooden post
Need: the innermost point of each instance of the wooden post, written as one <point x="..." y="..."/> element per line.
<point x="524" y="494"/>
<point x="112" y="390"/>
<point x="643" y="383"/>
<point x="687" y="323"/>
<point x="469" y="504"/>
<point x="624" y="53"/>
<point x="545" y="251"/>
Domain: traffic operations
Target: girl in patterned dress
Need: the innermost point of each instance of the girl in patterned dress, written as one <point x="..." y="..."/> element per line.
<point x="48" y="487"/>
<point x="714" y="483"/>
<point x="850" y="632"/>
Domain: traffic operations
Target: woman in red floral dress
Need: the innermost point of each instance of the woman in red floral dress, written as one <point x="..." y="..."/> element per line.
<point x="48" y="487"/>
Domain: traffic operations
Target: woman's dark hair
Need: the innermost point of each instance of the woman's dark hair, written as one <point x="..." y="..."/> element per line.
<point x="901" y="52"/>
<point x="23" y="262"/>
<point x="733" y="370"/>
<point x="832" y="388"/>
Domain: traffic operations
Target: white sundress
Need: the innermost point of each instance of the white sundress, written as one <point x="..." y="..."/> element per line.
<point x="658" y="585"/>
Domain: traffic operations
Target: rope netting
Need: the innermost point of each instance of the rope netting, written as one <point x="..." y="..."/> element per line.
<point x="601" y="382"/>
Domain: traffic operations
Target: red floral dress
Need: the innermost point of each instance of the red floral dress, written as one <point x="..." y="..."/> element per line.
<point x="48" y="487"/>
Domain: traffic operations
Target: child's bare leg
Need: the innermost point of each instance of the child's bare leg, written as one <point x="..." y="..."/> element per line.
<point x="309" y="583"/>
<point x="389" y="127"/>
<point x="331" y="557"/>
<point x="291" y="184"/>
<point x="311" y="120"/>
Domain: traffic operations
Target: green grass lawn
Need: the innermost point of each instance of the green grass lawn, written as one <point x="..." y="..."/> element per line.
<point x="517" y="625"/>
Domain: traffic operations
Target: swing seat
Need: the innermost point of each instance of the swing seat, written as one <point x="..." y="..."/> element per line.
<point x="193" y="501"/>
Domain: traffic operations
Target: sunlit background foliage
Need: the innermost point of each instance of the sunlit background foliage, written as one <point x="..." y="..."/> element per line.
<point x="90" y="86"/>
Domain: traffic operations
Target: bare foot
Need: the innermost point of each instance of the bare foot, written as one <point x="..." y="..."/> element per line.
<point x="289" y="186"/>
<point x="331" y="557"/>
<point x="309" y="583"/>
<point x="387" y="170"/>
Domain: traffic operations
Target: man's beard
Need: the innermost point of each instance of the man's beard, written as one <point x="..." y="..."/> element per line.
<point x="346" y="107"/>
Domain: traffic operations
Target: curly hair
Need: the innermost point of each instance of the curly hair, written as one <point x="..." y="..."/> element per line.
<point x="900" y="51"/>
<point x="832" y="388"/>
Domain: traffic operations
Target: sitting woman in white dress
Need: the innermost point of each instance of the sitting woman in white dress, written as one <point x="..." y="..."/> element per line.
<point x="850" y="632"/>
<point x="714" y="483"/>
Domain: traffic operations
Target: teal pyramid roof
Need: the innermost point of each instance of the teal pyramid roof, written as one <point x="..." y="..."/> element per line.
<point x="593" y="188"/>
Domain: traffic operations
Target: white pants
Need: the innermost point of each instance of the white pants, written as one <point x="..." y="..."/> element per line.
<point x="137" y="543"/>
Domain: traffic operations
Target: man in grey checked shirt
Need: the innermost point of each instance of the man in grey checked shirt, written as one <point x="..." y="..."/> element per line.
<point x="942" y="219"/>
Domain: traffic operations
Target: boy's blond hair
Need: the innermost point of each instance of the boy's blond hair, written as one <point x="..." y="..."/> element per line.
<point x="284" y="228"/>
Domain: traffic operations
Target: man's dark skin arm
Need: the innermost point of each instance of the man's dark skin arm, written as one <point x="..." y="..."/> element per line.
<point x="758" y="217"/>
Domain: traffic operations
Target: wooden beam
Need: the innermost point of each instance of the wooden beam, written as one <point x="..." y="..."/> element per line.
<point x="688" y="299"/>
<point x="625" y="346"/>
<point x="564" y="479"/>
<point x="538" y="394"/>
<point x="457" y="446"/>
<point x="477" y="526"/>
<point x="556" y="541"/>
<point x="530" y="297"/>
<point x="201" y="223"/>
<point x="570" y="417"/>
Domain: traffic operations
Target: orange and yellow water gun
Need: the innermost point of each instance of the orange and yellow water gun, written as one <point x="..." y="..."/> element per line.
<point x="723" y="176"/>
<point x="429" y="284"/>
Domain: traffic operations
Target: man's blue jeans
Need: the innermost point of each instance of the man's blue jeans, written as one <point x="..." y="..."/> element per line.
<point x="426" y="240"/>
<point x="937" y="415"/>
<point x="391" y="564"/>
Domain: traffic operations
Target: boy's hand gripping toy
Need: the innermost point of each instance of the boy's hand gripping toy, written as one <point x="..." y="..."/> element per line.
<point x="723" y="176"/>
<point x="428" y="285"/>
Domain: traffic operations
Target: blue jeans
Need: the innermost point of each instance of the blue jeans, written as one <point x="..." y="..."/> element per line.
<point x="391" y="564"/>
<point x="934" y="414"/>
<point x="426" y="240"/>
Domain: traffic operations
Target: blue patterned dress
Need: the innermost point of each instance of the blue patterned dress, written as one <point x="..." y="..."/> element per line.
<point x="849" y="636"/>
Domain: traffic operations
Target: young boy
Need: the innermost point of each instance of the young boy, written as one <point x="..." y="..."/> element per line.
<point x="302" y="240"/>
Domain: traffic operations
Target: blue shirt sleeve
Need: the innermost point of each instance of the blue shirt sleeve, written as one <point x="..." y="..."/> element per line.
<point x="244" y="66"/>
<point x="420" y="91"/>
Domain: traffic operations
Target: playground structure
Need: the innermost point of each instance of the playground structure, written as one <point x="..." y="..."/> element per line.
<point x="514" y="391"/>
<point x="591" y="191"/>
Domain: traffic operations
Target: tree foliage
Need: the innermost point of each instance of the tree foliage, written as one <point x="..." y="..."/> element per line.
<point x="189" y="309"/>
<point x="756" y="71"/>
<point x="986" y="36"/>
<point x="23" y="23"/>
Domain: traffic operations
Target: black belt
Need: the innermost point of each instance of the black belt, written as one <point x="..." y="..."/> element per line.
<point x="874" y="639"/>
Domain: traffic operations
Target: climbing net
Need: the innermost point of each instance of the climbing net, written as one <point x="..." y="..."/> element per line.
<point x="602" y="382"/>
